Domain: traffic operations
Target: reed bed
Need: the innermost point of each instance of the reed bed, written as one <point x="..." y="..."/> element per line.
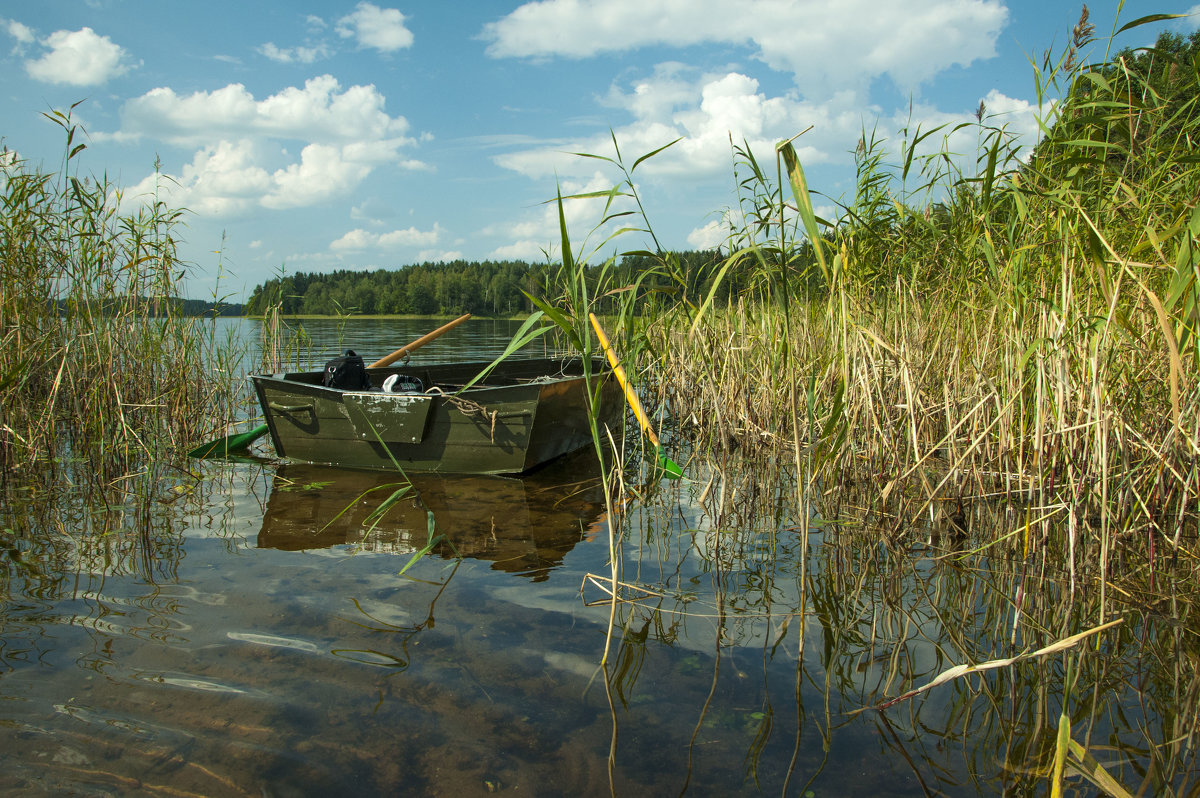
<point x="102" y="381"/>
<point x="1028" y="333"/>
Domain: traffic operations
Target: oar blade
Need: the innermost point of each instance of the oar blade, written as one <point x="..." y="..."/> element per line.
<point x="669" y="468"/>
<point x="230" y="443"/>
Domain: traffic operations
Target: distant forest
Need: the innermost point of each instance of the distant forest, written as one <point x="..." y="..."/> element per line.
<point x="487" y="288"/>
<point x="206" y="307"/>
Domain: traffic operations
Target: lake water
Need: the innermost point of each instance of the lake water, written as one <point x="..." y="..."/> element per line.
<point x="266" y="633"/>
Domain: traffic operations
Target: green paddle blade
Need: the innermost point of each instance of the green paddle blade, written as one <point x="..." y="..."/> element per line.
<point x="230" y="443"/>
<point x="669" y="468"/>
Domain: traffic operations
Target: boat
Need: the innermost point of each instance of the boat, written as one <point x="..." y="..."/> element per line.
<point x="521" y="415"/>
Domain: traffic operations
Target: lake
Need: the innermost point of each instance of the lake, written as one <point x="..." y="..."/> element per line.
<point x="266" y="631"/>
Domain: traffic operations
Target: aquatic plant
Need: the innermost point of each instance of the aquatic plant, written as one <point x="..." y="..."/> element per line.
<point x="101" y="376"/>
<point x="1030" y="334"/>
<point x="1015" y="341"/>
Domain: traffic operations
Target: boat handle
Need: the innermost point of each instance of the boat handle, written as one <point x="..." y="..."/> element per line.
<point x="289" y="408"/>
<point x="515" y="414"/>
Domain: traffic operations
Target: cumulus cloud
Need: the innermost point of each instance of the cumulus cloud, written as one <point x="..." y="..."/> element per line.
<point x="538" y="234"/>
<point x="22" y="33"/>
<point x="220" y="180"/>
<point x="709" y="236"/>
<point x="360" y="240"/>
<point x="295" y="55"/>
<point x="711" y="113"/>
<point x="320" y="111"/>
<point x="324" y="171"/>
<point x="708" y="113"/>
<point x="346" y="134"/>
<point x="78" y="58"/>
<point x="378" y="28"/>
<point x="825" y="46"/>
<point x="959" y="137"/>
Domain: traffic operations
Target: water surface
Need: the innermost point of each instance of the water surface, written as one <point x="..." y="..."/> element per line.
<point x="269" y="633"/>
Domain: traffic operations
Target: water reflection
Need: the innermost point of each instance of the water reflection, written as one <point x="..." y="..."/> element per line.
<point x="254" y="637"/>
<point x="523" y="525"/>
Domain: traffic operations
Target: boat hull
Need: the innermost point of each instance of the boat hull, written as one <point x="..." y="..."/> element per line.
<point x="523" y="415"/>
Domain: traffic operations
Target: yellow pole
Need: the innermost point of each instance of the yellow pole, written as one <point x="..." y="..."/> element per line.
<point x="634" y="403"/>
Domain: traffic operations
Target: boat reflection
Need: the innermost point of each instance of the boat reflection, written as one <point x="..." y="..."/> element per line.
<point x="523" y="525"/>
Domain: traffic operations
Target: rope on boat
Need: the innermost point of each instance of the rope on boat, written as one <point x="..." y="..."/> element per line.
<point x="468" y="408"/>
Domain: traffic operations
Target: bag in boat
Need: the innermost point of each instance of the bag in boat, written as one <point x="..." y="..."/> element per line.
<point x="348" y="372"/>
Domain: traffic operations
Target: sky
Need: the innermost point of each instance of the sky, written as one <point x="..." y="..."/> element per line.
<point x="316" y="136"/>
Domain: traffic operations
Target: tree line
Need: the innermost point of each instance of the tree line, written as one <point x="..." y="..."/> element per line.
<point x="481" y="288"/>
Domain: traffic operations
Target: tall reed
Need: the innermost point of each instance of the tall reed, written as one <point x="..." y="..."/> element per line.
<point x="100" y="375"/>
<point x="1030" y="333"/>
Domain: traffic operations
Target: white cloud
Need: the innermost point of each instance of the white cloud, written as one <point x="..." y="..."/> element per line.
<point x="346" y="135"/>
<point x="78" y="58"/>
<point x="539" y="232"/>
<point x="355" y="241"/>
<point x="323" y="172"/>
<point x="712" y="113"/>
<point x="709" y="236"/>
<point x="320" y="111"/>
<point x="297" y="55"/>
<point x="358" y="240"/>
<point x="438" y="256"/>
<point x="825" y="46"/>
<point x="221" y="179"/>
<point x="411" y="237"/>
<point x="526" y="249"/>
<point x="22" y="33"/>
<point x="708" y="112"/>
<point x="960" y="138"/>
<point x="379" y="28"/>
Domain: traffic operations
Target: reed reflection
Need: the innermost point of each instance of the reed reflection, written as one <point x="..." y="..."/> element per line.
<point x="959" y="661"/>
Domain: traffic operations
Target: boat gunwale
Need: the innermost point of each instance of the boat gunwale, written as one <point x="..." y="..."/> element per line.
<point x="311" y="379"/>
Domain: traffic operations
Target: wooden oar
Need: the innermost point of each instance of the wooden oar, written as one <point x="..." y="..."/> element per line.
<point x="233" y="443"/>
<point x="417" y="344"/>
<point x="669" y="467"/>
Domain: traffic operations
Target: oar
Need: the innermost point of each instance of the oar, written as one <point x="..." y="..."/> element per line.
<point x="232" y="443"/>
<point x="417" y="344"/>
<point x="669" y="467"/>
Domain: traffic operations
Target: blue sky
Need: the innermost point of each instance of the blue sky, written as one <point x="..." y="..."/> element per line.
<point x="313" y="136"/>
